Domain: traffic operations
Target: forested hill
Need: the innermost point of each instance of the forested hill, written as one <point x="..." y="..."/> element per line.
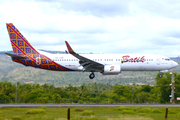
<point x="13" y="72"/>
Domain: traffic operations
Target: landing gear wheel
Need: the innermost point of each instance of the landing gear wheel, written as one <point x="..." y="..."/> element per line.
<point x="91" y="76"/>
<point x="160" y="75"/>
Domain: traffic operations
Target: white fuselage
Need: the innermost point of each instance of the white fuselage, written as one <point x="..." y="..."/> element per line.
<point x="131" y="62"/>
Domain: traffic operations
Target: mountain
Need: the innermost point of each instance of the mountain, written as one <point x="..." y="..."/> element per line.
<point x="13" y="72"/>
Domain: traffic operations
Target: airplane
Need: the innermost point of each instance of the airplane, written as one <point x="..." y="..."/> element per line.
<point x="107" y="64"/>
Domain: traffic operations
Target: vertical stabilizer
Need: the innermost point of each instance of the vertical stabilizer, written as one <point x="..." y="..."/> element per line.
<point x="19" y="43"/>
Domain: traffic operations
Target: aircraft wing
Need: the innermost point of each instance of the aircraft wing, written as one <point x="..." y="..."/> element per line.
<point x="87" y="64"/>
<point x="15" y="56"/>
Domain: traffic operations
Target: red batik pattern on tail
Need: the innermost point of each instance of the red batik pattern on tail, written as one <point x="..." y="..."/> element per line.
<point x="19" y="43"/>
<point x="23" y="48"/>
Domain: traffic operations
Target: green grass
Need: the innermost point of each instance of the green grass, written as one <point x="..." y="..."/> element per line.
<point x="87" y="113"/>
<point x="36" y="111"/>
<point x="90" y="113"/>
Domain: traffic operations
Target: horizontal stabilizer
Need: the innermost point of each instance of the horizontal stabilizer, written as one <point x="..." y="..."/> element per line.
<point x="15" y="56"/>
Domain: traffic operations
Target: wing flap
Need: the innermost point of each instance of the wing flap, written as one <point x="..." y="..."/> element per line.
<point x="85" y="62"/>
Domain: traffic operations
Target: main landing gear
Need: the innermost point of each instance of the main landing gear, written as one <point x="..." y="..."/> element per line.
<point x="160" y="75"/>
<point x="92" y="75"/>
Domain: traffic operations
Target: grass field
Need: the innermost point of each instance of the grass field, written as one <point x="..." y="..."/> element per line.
<point x="90" y="113"/>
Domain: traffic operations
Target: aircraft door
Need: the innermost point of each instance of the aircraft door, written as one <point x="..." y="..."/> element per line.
<point x="158" y="61"/>
<point x="38" y="60"/>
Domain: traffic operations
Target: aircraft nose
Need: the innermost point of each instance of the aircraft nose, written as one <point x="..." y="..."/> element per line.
<point x="174" y="64"/>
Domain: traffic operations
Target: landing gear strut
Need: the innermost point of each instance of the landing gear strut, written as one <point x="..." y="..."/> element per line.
<point x="91" y="76"/>
<point x="160" y="75"/>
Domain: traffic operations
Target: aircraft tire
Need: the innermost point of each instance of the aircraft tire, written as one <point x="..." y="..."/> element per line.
<point x="160" y="75"/>
<point x="91" y="76"/>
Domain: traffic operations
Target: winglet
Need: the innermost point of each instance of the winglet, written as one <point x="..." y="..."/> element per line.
<point x="69" y="48"/>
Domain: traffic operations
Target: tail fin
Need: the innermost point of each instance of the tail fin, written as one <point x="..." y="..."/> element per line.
<point x="19" y="43"/>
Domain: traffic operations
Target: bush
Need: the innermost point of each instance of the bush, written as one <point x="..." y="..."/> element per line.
<point x="156" y="111"/>
<point x="43" y="107"/>
<point x="81" y="101"/>
<point x="124" y="108"/>
<point x="172" y="112"/>
<point x="16" y="118"/>
<point x="111" y="101"/>
<point x="145" y="110"/>
<point x="127" y="112"/>
<point x="89" y="118"/>
<point x="79" y="110"/>
<point x="36" y="111"/>
<point x="87" y="113"/>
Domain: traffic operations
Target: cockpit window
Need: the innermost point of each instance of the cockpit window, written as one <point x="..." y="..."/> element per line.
<point x="167" y="59"/>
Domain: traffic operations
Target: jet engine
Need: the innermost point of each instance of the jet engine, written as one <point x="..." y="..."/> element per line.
<point x="111" y="70"/>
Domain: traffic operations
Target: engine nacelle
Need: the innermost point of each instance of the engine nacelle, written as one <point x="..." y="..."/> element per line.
<point x="112" y="70"/>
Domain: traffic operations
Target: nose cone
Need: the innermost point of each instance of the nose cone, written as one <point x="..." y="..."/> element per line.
<point x="174" y="64"/>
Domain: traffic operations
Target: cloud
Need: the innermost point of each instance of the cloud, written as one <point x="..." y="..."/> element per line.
<point x="162" y="8"/>
<point x="95" y="26"/>
<point x="96" y="8"/>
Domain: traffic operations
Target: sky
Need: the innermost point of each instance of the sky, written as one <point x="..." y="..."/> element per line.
<point x="98" y="26"/>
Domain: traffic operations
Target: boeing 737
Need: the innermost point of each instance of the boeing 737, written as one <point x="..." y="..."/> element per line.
<point x="107" y="64"/>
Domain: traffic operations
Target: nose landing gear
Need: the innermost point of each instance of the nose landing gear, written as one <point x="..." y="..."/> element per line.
<point x="92" y="75"/>
<point x="160" y="75"/>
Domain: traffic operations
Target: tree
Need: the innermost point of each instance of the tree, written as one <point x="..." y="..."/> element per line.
<point x="177" y="85"/>
<point x="142" y="96"/>
<point x="163" y="87"/>
<point x="122" y="90"/>
<point x="146" y="88"/>
<point x="56" y="96"/>
<point x="102" y="96"/>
